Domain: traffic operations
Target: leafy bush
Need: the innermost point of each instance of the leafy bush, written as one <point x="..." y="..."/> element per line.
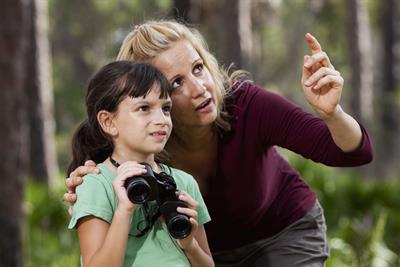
<point x="47" y="240"/>
<point x="363" y="216"/>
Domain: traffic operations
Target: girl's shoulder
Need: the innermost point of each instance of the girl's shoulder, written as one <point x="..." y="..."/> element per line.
<point x="105" y="176"/>
<point x="182" y="178"/>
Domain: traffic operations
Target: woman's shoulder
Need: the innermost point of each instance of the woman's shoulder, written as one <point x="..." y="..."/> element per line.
<point x="244" y="91"/>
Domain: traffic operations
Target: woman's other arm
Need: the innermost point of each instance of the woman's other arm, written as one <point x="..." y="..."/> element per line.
<point x="322" y="86"/>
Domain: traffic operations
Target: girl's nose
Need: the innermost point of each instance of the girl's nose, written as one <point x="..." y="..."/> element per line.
<point x="160" y="117"/>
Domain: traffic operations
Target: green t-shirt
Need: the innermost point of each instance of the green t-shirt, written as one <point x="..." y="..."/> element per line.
<point x="96" y="197"/>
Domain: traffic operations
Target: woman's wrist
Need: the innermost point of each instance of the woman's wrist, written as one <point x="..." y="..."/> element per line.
<point x="344" y="129"/>
<point x="337" y="115"/>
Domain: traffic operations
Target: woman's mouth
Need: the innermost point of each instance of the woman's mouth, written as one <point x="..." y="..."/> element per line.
<point x="204" y="105"/>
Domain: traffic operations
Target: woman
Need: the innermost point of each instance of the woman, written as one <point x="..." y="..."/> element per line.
<point x="225" y="130"/>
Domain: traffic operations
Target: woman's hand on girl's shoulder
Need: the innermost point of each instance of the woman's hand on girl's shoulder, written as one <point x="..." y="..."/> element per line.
<point x="76" y="178"/>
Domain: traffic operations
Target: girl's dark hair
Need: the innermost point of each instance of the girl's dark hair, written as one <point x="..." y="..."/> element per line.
<point x="106" y="89"/>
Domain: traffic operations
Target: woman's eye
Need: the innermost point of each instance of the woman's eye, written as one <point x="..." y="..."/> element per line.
<point x="176" y="83"/>
<point x="198" y="68"/>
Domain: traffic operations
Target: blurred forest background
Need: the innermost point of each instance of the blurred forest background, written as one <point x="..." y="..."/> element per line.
<point x="49" y="49"/>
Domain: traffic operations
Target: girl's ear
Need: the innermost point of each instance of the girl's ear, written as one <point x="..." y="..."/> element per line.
<point x="106" y="121"/>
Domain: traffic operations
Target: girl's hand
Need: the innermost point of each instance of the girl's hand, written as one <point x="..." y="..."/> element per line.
<point x="75" y="179"/>
<point x="191" y="211"/>
<point x="322" y="84"/>
<point x="124" y="171"/>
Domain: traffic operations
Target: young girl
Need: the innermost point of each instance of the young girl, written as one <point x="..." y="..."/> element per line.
<point x="128" y="106"/>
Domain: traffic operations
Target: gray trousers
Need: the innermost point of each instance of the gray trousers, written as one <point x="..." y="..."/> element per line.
<point x="301" y="244"/>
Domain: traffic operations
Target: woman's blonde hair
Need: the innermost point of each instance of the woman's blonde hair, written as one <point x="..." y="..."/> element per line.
<point x="149" y="39"/>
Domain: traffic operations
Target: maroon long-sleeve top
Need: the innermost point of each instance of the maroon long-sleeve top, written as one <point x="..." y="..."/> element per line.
<point x="256" y="193"/>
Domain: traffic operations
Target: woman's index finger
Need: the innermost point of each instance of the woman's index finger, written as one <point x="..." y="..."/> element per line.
<point x="313" y="43"/>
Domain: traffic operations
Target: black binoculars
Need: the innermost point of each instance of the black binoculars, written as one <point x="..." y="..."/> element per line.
<point x="160" y="187"/>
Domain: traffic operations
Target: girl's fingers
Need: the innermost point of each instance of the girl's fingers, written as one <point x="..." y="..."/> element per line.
<point x="185" y="197"/>
<point x="131" y="164"/>
<point x="194" y="223"/>
<point x="187" y="211"/>
<point x="134" y="171"/>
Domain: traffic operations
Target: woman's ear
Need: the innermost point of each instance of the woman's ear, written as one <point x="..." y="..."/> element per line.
<point x="106" y="122"/>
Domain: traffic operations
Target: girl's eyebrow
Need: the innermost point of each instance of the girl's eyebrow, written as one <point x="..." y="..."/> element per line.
<point x="141" y="102"/>
<point x="168" y="101"/>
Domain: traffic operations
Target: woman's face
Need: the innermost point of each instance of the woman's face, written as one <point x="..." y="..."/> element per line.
<point x="193" y="97"/>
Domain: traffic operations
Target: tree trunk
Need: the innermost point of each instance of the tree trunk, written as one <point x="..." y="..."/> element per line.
<point x="187" y="10"/>
<point x="43" y="162"/>
<point x="389" y="119"/>
<point x="14" y="133"/>
<point x="237" y="30"/>
<point x="360" y="51"/>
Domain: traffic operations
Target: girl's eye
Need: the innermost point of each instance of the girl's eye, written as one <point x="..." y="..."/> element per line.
<point x="198" y="68"/>
<point x="144" y="108"/>
<point x="176" y="83"/>
<point x="167" y="109"/>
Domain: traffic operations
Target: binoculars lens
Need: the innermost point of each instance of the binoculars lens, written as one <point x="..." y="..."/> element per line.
<point x="138" y="190"/>
<point x="179" y="226"/>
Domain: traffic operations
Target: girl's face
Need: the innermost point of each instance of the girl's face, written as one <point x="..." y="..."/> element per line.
<point x="194" y="89"/>
<point x="142" y="125"/>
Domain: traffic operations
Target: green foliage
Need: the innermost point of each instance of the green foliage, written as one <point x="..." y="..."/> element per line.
<point x="47" y="240"/>
<point x="363" y="216"/>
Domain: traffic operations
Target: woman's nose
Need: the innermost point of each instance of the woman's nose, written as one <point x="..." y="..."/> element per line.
<point x="197" y="87"/>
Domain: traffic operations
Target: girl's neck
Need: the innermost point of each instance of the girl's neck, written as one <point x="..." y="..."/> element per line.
<point x="193" y="139"/>
<point x="123" y="156"/>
